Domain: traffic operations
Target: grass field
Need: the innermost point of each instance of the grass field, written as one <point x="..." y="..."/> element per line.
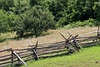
<point x="7" y="40"/>
<point x="87" y="57"/>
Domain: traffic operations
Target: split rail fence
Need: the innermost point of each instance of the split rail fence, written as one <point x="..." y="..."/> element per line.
<point x="14" y="57"/>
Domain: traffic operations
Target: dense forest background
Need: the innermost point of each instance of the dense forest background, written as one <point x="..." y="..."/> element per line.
<point x="37" y="16"/>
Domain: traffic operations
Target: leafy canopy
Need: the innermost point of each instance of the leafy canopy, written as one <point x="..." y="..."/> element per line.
<point x="35" y="21"/>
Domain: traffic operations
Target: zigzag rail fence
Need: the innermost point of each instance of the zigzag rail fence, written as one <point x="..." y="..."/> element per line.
<point x="21" y="56"/>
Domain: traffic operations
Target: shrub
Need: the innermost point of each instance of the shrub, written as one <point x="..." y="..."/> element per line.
<point x="34" y="21"/>
<point x="90" y="22"/>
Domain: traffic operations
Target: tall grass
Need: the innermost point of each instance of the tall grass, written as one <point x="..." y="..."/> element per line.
<point x="7" y="36"/>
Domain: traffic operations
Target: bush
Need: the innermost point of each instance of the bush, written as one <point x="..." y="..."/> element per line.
<point x="91" y="22"/>
<point x="6" y="19"/>
<point x="34" y="21"/>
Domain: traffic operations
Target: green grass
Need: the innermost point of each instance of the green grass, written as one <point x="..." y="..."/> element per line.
<point x="87" y="57"/>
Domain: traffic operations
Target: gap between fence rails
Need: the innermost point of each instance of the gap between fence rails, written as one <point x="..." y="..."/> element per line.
<point x="35" y="49"/>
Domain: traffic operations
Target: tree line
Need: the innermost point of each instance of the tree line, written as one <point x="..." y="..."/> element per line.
<point x="37" y="16"/>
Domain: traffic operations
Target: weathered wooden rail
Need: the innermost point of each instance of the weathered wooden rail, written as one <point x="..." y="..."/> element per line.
<point x="16" y="56"/>
<point x="35" y="52"/>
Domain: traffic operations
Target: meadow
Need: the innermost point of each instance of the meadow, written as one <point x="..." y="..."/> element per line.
<point x="8" y="40"/>
<point x="87" y="57"/>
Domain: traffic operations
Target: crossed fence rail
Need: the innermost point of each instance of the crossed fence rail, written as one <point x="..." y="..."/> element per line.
<point x="21" y="56"/>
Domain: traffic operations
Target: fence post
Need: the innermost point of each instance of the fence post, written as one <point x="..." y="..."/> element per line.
<point x="35" y="54"/>
<point x="20" y="58"/>
<point x="34" y="50"/>
<point x="11" y="56"/>
<point x="98" y="34"/>
<point x="67" y="41"/>
<point x="75" y="41"/>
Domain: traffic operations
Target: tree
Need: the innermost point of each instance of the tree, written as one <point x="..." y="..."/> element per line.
<point x="79" y="10"/>
<point x="35" y="21"/>
<point x="35" y="2"/>
<point x="97" y="10"/>
<point x="6" y="4"/>
<point x="21" y="6"/>
<point x="56" y="7"/>
<point x="6" y="19"/>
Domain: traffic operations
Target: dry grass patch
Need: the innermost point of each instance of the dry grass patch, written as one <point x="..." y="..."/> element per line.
<point x="22" y="43"/>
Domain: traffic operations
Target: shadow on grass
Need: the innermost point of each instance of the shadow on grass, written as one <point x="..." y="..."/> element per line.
<point x="4" y="39"/>
<point x="98" y="45"/>
<point x="58" y="55"/>
<point x="25" y="36"/>
<point x="95" y="44"/>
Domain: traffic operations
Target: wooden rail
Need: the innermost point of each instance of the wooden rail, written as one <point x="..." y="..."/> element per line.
<point x="15" y="57"/>
<point x="20" y="58"/>
<point x="37" y="51"/>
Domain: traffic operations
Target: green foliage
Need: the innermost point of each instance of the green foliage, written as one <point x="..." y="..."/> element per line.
<point x="56" y="7"/>
<point x="21" y="6"/>
<point x="33" y="2"/>
<point x="69" y="11"/>
<point x="35" y="21"/>
<point x="91" y="22"/>
<point x="97" y="10"/>
<point x="64" y="12"/>
<point x="6" y="19"/>
<point x="6" y="4"/>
